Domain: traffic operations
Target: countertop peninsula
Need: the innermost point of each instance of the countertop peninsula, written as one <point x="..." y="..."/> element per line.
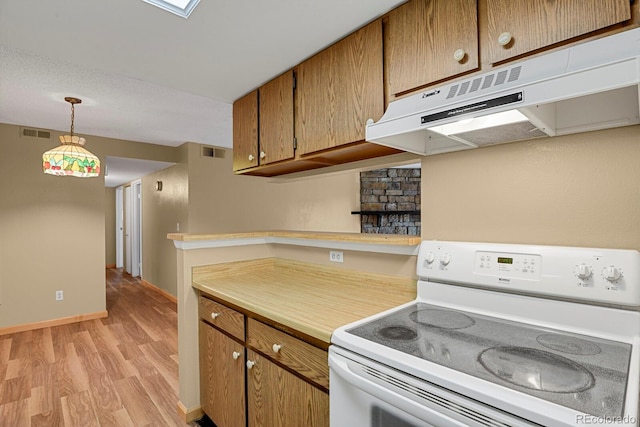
<point x="364" y="238"/>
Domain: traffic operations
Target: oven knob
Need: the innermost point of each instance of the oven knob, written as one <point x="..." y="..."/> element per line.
<point x="611" y="273"/>
<point x="429" y="257"/>
<point x="445" y="259"/>
<point x="583" y="271"/>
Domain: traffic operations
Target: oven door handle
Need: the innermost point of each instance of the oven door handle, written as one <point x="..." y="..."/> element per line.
<point x="404" y="403"/>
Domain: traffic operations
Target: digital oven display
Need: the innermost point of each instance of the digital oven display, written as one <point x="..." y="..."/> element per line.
<point x="503" y="260"/>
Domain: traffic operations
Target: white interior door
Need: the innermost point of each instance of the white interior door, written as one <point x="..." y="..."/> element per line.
<point x="119" y="227"/>
<point x="136" y="229"/>
<point x="127" y="229"/>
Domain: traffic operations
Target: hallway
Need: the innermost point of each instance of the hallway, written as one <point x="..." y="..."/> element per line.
<point x="118" y="371"/>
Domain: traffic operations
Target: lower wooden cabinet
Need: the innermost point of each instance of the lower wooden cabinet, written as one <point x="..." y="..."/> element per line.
<point x="269" y="379"/>
<point x="277" y="397"/>
<point x="222" y="372"/>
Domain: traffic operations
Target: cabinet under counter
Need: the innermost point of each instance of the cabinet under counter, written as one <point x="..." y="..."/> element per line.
<point x="267" y="323"/>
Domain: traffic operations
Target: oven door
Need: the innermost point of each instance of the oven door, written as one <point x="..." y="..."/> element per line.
<point x="367" y="394"/>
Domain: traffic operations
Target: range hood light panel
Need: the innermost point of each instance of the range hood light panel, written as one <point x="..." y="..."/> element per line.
<point x="478" y="123"/>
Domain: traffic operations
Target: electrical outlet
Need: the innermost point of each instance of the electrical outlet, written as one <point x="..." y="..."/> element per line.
<point x="59" y="295"/>
<point x="335" y="256"/>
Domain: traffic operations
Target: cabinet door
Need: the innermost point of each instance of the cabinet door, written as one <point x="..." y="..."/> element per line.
<point x="338" y="90"/>
<point x="277" y="398"/>
<point x="429" y="40"/>
<point x="276" y="119"/>
<point x="536" y="24"/>
<point x="245" y="132"/>
<point x="222" y="384"/>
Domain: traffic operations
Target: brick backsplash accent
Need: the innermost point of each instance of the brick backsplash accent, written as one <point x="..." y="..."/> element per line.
<point x="390" y="190"/>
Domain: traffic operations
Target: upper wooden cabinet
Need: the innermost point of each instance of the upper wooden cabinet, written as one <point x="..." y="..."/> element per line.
<point x="516" y="27"/>
<point x="276" y="119"/>
<point x="263" y="124"/>
<point x="429" y="40"/>
<point x="245" y="131"/>
<point x="338" y="90"/>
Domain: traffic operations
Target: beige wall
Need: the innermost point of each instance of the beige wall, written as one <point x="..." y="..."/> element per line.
<point x="204" y="195"/>
<point x="54" y="229"/>
<point x="161" y="211"/>
<point x="577" y="190"/>
<point x="110" y="225"/>
<point x="220" y="201"/>
<point x="53" y="236"/>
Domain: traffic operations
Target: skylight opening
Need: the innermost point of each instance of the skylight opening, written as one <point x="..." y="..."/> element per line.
<point x="179" y="7"/>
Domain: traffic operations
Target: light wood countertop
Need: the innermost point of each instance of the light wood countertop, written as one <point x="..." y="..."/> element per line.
<point x="311" y="299"/>
<point x="367" y="238"/>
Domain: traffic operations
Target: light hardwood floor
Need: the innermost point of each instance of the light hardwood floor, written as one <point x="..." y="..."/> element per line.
<point x="117" y="371"/>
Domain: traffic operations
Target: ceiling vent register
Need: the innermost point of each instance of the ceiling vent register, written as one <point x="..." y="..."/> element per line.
<point x="212" y="152"/>
<point x="35" y="133"/>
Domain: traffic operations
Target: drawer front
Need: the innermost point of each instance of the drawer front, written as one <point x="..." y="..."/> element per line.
<point x="302" y="357"/>
<point x="225" y="318"/>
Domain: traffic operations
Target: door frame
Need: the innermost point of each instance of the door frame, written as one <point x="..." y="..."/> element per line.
<point x="119" y="227"/>
<point x="136" y="228"/>
<point x="127" y="228"/>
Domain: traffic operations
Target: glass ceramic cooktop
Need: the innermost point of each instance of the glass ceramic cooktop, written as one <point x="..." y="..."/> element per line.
<point x="580" y="372"/>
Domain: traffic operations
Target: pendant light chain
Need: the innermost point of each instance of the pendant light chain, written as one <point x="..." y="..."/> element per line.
<point x="73" y="110"/>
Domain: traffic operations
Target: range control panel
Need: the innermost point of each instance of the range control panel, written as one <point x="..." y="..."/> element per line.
<point x="522" y="266"/>
<point x="610" y="276"/>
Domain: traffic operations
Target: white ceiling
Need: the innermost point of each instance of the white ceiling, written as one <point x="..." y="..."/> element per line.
<point x="147" y="75"/>
<point x="121" y="170"/>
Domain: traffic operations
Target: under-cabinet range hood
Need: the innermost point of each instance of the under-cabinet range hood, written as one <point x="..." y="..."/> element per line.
<point x="591" y="86"/>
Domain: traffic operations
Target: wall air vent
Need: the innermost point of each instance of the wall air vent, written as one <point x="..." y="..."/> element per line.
<point x="212" y="152"/>
<point x="35" y="133"/>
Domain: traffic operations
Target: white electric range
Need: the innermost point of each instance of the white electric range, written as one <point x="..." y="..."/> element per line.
<point x="499" y="335"/>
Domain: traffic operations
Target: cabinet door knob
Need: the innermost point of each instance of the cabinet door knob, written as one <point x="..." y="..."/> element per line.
<point x="459" y="55"/>
<point x="250" y="364"/>
<point x="251" y="157"/>
<point x="263" y="154"/>
<point x="505" y="38"/>
<point x="214" y="315"/>
<point x="235" y="355"/>
<point x="276" y="348"/>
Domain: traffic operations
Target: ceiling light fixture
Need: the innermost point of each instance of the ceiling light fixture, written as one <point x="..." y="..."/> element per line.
<point x="179" y="7"/>
<point x="71" y="159"/>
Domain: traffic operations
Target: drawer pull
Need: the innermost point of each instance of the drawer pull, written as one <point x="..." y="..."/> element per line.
<point x="276" y="348"/>
<point x="235" y="355"/>
<point x="459" y="55"/>
<point x="263" y="154"/>
<point x="251" y="157"/>
<point x="214" y="315"/>
<point x="250" y="364"/>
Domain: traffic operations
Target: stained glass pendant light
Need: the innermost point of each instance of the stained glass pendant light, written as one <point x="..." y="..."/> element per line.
<point x="71" y="158"/>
